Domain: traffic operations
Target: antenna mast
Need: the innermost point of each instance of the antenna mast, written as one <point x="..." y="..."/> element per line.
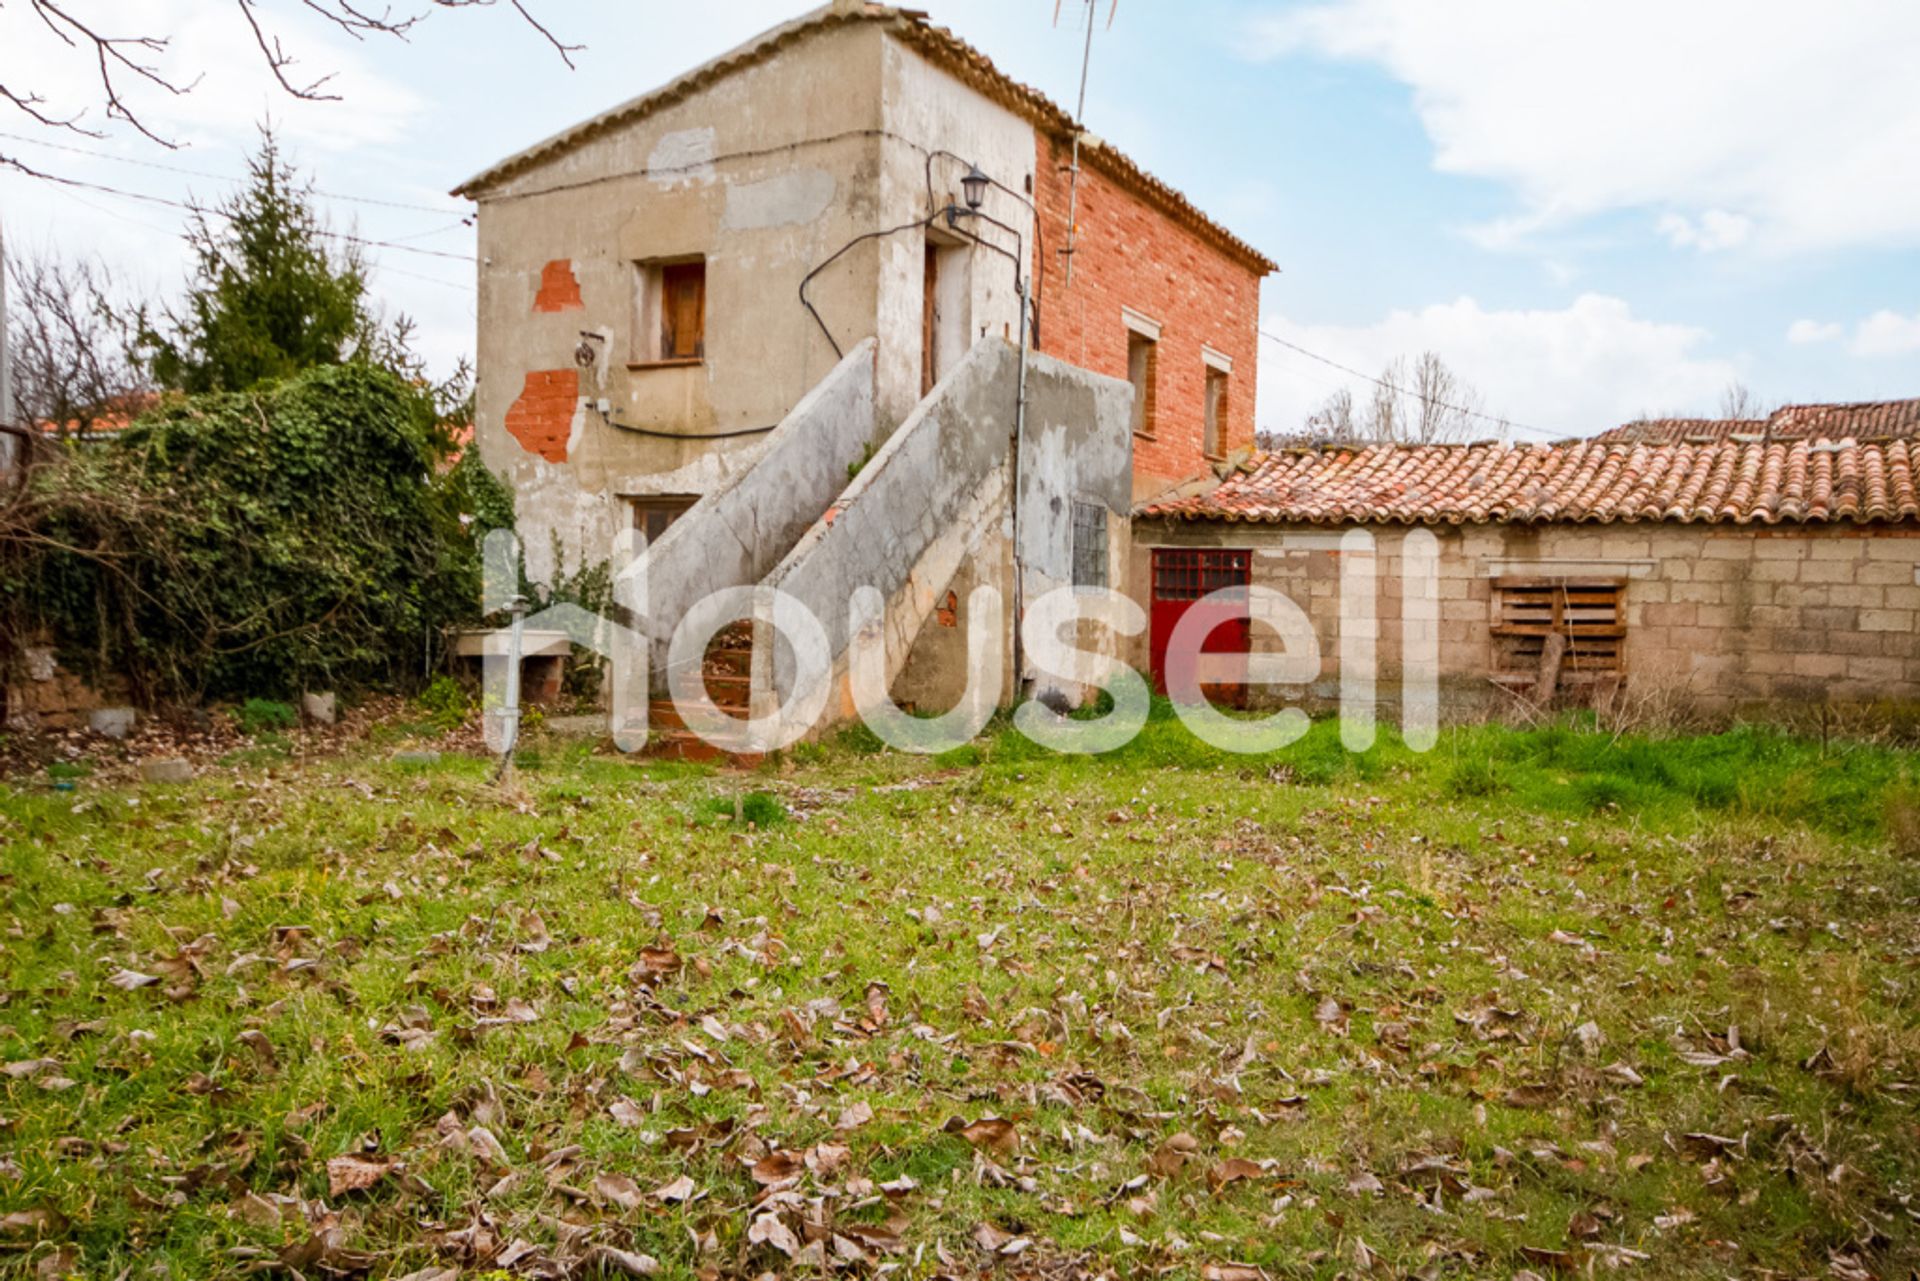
<point x="1079" y="128"/>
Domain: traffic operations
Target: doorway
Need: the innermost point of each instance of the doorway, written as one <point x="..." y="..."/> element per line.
<point x="1182" y="577"/>
<point x="945" y="308"/>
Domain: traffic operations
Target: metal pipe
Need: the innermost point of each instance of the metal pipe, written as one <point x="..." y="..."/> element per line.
<point x="510" y="714"/>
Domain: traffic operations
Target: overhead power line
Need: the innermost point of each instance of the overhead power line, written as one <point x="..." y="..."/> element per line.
<point x="444" y="210"/>
<point x="1493" y="419"/>
<point x="205" y="212"/>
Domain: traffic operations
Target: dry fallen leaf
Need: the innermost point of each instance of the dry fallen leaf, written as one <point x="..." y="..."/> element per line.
<point x="128" y="980"/>
<point x="618" y="1189"/>
<point x="855" y="1116"/>
<point x="681" y="1189"/>
<point x="352" y="1173"/>
<point x="605" y="1260"/>
<point x="1232" y="1170"/>
<point x="769" y="1230"/>
<point x="1168" y="1159"/>
<point x="777" y="1167"/>
<point x="992" y="1133"/>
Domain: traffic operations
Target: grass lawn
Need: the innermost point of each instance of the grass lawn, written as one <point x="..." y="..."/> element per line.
<point x="1539" y="1001"/>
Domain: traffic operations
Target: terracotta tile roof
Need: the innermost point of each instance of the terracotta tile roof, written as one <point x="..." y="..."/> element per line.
<point x="1725" y="482"/>
<point x="939" y="46"/>
<point x="1865" y="420"/>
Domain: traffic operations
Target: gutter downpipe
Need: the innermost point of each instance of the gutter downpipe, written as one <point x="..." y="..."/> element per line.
<point x="1019" y="446"/>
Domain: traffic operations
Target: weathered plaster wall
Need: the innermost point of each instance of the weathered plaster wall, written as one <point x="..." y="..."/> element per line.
<point x="765" y="172"/>
<point x="928" y="111"/>
<point x="1718" y="617"/>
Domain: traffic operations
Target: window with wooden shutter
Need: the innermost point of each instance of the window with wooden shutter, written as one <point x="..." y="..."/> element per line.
<point x="1586" y="615"/>
<point x="1213" y="443"/>
<point x="669" y="313"/>
<point x="1143" y="362"/>
<point x="683" y="311"/>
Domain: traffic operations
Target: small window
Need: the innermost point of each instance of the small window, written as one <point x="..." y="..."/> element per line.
<point x="1089" y="544"/>
<point x="1214" y="442"/>
<point x="652" y="515"/>
<point x="670" y="312"/>
<point x="1588" y="617"/>
<point x="1142" y="367"/>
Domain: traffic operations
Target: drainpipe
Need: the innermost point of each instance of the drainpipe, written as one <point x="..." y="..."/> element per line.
<point x="1019" y="443"/>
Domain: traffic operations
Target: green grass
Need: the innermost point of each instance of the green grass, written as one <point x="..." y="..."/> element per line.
<point x="1504" y="980"/>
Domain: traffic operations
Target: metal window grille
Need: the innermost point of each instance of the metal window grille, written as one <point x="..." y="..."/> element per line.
<point x="1089" y="544"/>
<point x="1183" y="574"/>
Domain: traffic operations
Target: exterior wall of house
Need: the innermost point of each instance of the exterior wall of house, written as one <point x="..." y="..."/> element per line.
<point x="1717" y="617"/>
<point x="1131" y="255"/>
<point x="767" y="172"/>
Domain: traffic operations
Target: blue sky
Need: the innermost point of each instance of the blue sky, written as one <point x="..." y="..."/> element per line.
<point x="1591" y="211"/>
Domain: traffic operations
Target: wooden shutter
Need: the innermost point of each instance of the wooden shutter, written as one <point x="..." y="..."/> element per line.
<point x="1589" y="613"/>
<point x="683" y="311"/>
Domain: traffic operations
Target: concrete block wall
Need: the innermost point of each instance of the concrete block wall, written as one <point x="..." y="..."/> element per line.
<point x="1721" y="617"/>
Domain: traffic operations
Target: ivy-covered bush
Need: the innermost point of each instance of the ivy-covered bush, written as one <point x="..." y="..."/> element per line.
<point x="303" y="534"/>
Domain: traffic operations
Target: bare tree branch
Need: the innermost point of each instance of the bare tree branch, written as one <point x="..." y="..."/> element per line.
<point x="278" y="60"/>
<point x="110" y="52"/>
<point x="122" y="61"/>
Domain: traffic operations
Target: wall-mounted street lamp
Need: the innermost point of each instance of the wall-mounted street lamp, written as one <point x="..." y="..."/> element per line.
<point x="975" y="185"/>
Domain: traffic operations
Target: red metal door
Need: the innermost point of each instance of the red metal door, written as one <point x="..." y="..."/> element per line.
<point x="1181" y="578"/>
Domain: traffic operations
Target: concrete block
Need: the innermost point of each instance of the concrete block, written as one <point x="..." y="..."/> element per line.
<point x="1880" y="670"/>
<point x="112" y="722"/>
<point x="1886" y="620"/>
<point x="1854" y="596"/>
<point x="319" y="709"/>
<point x="1777" y="550"/>
<point x="1826" y="571"/>
<point x="1830" y="666"/>
<point x="1830" y="618"/>
<point x="1837" y="550"/>
<point x="169" y="770"/>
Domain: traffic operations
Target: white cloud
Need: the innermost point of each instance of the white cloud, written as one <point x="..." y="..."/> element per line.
<point x="1569" y="372"/>
<point x="1815" y="331"/>
<point x="1713" y="230"/>
<point x="1887" y="333"/>
<point x="1799" y="121"/>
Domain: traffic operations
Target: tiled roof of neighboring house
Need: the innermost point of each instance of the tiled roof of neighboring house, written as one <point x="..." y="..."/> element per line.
<point x="116" y="416"/>
<point x="1866" y="420"/>
<point x="1730" y="482"/>
<point x="940" y="47"/>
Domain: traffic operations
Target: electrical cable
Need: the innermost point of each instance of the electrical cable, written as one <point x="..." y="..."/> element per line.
<point x="217" y="177"/>
<point x="1542" y="432"/>
<point x="205" y="212"/>
<point x="609" y="419"/>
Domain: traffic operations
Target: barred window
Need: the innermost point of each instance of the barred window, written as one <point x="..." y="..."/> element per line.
<point x="1089" y="544"/>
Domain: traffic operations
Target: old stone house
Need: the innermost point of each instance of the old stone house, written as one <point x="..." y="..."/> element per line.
<point x="771" y="315"/>
<point x="1720" y="565"/>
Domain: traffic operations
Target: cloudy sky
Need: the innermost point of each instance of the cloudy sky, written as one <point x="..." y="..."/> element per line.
<point x="1591" y="210"/>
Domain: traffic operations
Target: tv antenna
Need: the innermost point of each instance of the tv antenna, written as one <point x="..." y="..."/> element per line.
<point x="1079" y="127"/>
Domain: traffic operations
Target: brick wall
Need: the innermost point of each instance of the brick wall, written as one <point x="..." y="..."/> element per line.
<point x="1129" y="254"/>
<point x="1717" y="616"/>
<point x="541" y="418"/>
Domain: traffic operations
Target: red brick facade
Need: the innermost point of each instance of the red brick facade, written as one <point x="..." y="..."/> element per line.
<point x="542" y="418"/>
<point x="1131" y="254"/>
<point x="559" y="288"/>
